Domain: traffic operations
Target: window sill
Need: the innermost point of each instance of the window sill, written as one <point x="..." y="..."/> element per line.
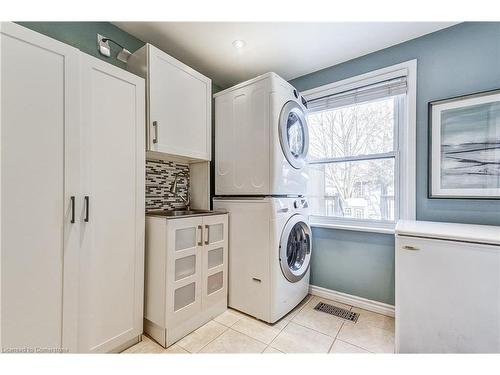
<point x="318" y="222"/>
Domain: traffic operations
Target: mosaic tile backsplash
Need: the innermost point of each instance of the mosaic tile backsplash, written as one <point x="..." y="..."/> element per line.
<point x="160" y="175"/>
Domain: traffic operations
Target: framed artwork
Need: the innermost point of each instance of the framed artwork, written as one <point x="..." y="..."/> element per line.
<point x="464" y="147"/>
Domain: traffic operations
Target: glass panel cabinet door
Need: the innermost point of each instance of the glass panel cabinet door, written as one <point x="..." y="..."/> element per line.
<point x="184" y="260"/>
<point x="214" y="268"/>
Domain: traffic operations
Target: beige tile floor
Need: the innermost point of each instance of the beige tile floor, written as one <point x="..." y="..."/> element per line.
<point x="303" y="330"/>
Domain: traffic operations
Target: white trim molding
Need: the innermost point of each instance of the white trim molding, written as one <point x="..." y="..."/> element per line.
<point x="360" y="226"/>
<point x="406" y="135"/>
<point x="348" y="299"/>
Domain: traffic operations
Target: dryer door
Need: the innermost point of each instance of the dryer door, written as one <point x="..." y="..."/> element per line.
<point x="295" y="248"/>
<point x="293" y="134"/>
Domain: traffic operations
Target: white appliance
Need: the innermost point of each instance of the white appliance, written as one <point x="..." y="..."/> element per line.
<point x="447" y="288"/>
<point x="270" y="252"/>
<point x="261" y="139"/>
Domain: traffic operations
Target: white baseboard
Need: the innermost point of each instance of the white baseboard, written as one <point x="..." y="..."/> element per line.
<point x="348" y="299"/>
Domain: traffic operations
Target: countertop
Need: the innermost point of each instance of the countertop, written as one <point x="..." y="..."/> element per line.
<point x="169" y="214"/>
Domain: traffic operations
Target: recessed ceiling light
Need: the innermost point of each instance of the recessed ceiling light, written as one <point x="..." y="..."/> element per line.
<point x="238" y="43"/>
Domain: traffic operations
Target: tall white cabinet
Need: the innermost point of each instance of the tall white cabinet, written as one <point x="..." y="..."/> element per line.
<point x="111" y="266"/>
<point x="72" y="214"/>
<point x="39" y="183"/>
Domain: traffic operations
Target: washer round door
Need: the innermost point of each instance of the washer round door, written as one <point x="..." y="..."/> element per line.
<point x="295" y="248"/>
<point x="293" y="134"/>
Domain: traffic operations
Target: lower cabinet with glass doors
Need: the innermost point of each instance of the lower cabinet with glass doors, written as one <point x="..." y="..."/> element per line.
<point x="186" y="274"/>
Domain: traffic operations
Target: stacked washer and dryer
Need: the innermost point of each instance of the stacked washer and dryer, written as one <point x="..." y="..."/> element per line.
<point x="261" y="140"/>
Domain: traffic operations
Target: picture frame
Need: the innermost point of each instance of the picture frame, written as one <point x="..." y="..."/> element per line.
<point x="464" y="147"/>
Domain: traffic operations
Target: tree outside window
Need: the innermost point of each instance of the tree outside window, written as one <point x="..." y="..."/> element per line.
<point x="353" y="160"/>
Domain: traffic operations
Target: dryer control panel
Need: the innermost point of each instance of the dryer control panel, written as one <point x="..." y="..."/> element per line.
<point x="300" y="203"/>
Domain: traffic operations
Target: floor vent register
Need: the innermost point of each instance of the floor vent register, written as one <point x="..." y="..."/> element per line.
<point x="337" y="311"/>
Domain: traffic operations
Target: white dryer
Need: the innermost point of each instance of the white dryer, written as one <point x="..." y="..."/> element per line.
<point x="261" y="139"/>
<point x="270" y="253"/>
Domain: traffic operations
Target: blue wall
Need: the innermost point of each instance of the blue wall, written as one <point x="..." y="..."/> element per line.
<point x="83" y="35"/>
<point x="455" y="61"/>
<point x="357" y="263"/>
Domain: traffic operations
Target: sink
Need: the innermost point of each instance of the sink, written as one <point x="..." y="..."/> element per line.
<point x="181" y="213"/>
<point x="185" y="212"/>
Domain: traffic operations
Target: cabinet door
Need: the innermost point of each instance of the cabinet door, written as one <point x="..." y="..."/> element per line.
<point x="39" y="174"/>
<point x="446" y="297"/>
<point x="180" y="108"/>
<point x="112" y="255"/>
<point x="183" y="273"/>
<point x="214" y="272"/>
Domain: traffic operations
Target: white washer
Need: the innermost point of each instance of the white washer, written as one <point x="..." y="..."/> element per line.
<point x="261" y="139"/>
<point x="269" y="256"/>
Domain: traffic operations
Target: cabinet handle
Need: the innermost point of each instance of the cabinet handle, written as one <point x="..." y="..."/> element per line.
<point x="207" y="239"/>
<point x="200" y="241"/>
<point x="72" y="209"/>
<point x="87" y="208"/>
<point x="408" y="247"/>
<point x="155" y="126"/>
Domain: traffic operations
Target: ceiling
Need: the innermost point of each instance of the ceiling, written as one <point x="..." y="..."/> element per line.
<point x="289" y="49"/>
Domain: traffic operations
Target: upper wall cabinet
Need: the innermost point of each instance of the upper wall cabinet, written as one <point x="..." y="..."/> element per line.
<point x="178" y="105"/>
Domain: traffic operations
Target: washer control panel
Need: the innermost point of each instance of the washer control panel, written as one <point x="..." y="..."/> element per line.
<point x="290" y="205"/>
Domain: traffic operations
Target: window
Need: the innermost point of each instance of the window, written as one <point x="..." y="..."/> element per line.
<point x="353" y="152"/>
<point x="358" y="145"/>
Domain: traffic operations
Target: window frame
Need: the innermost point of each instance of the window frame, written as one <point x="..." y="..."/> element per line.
<point x="403" y="153"/>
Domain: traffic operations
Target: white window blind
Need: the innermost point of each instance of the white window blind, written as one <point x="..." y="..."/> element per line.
<point x="392" y="87"/>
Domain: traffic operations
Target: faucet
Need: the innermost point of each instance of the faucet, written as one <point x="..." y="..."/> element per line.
<point x="173" y="189"/>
